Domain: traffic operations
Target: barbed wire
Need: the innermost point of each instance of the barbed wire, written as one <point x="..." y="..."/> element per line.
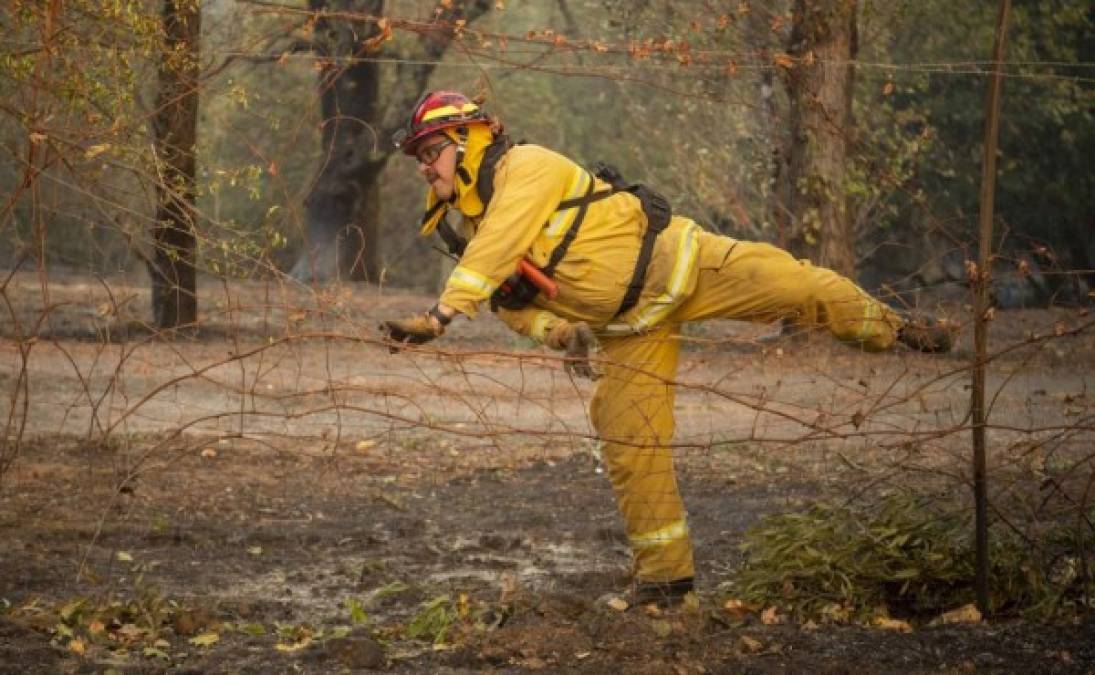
<point x="329" y="381"/>
<point x="617" y="72"/>
<point x="744" y="60"/>
<point x="643" y="49"/>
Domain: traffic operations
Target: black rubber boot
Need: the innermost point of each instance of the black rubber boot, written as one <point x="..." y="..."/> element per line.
<point x="927" y="334"/>
<point x="664" y="594"/>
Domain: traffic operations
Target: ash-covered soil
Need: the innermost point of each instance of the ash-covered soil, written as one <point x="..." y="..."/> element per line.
<point x="280" y="482"/>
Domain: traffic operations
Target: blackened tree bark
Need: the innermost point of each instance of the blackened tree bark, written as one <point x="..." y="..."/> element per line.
<point x="359" y="119"/>
<point x="172" y="262"/>
<point x="819" y="84"/>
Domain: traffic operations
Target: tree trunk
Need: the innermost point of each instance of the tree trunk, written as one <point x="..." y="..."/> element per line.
<point x="343" y="207"/>
<point x="342" y="220"/>
<point x="173" y="259"/>
<point x="824" y="43"/>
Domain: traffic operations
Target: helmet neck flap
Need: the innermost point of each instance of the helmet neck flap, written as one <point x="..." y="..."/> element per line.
<point x="471" y="145"/>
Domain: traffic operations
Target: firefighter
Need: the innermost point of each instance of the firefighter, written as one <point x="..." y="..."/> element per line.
<point x="612" y="266"/>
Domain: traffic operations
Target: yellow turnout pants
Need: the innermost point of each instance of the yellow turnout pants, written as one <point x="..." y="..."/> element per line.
<point x="632" y="408"/>
<point x="632" y="411"/>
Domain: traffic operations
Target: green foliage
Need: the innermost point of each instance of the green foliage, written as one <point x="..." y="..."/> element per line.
<point x="446" y="619"/>
<point x="902" y="557"/>
<point x="434" y="620"/>
<point x="258" y="149"/>
<point x="393" y="588"/>
<point x="356" y="610"/>
<point x="73" y="75"/>
<point x="1047" y="135"/>
<point x="892" y="145"/>
<point x="137" y="622"/>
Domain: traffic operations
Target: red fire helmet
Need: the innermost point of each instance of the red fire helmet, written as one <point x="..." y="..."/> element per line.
<point x="435" y="111"/>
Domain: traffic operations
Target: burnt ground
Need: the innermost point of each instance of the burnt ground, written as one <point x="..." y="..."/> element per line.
<point x="253" y="537"/>
<point x="166" y="551"/>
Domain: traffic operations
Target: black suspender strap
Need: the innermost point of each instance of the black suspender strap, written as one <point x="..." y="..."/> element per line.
<point x="658" y="213"/>
<point x="585" y="199"/>
<point x="559" y="251"/>
<point x="484" y="181"/>
<point x="461" y="147"/>
<point x="453" y="241"/>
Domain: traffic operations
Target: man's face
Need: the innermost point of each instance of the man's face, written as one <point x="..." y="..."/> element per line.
<point x="436" y="158"/>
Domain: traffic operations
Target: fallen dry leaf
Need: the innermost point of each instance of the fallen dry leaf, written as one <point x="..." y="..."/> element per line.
<point x="154" y="653"/>
<point x="966" y="614"/>
<point x="784" y="60"/>
<point x="96" y="150"/>
<point x="858" y="418"/>
<point x="662" y="628"/>
<point x="971" y="271"/>
<point x="508" y="581"/>
<point x="205" y="639"/>
<point x="771" y="616"/>
<point x="295" y="647"/>
<point x="691" y="602"/>
<point x="129" y="632"/>
<point x="618" y="604"/>
<point x="750" y="645"/>
<point x="739" y="608"/>
<point x="836" y="613"/>
<point x="893" y="624"/>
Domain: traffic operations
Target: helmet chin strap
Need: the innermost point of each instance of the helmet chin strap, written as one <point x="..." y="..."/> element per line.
<point x="461" y="145"/>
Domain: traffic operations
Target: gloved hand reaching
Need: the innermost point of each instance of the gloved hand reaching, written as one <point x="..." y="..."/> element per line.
<point x="576" y="339"/>
<point x="416" y="330"/>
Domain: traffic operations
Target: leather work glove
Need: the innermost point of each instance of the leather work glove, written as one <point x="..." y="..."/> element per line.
<point x="416" y="330"/>
<point x="576" y="339"/>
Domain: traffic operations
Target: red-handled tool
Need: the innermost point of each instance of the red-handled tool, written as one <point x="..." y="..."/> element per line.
<point x="542" y="281"/>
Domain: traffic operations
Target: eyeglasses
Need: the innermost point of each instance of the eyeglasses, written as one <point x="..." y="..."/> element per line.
<point x="429" y="154"/>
